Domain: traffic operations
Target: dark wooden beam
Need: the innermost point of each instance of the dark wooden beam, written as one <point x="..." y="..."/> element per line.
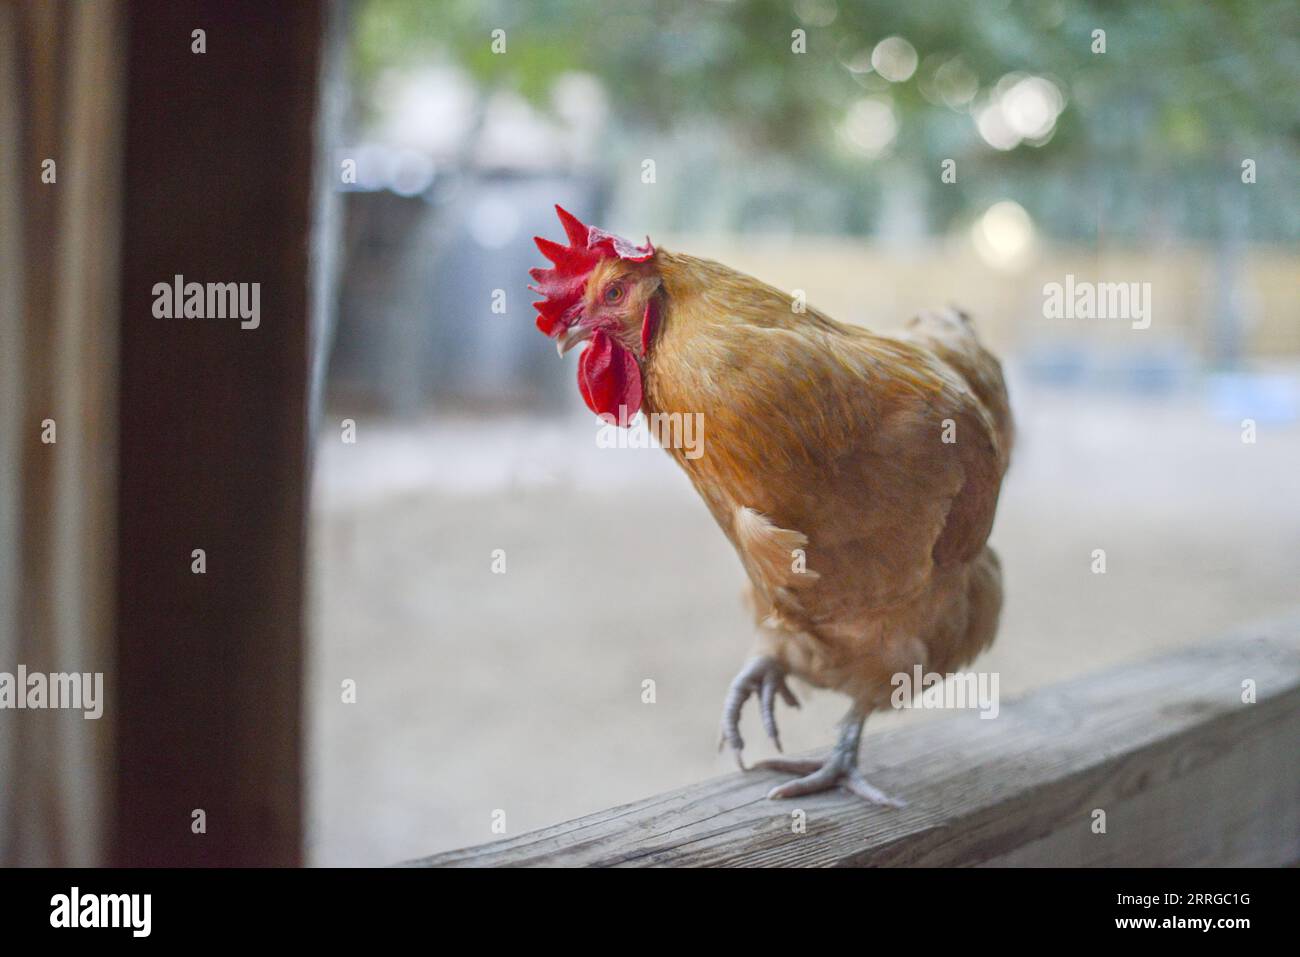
<point x="219" y="160"/>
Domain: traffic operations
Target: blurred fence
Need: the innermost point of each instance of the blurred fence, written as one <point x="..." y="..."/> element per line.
<point x="435" y="307"/>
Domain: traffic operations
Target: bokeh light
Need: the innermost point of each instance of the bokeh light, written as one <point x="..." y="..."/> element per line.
<point x="894" y="59"/>
<point x="1004" y="235"/>
<point x="1019" y="109"/>
<point x="870" y="126"/>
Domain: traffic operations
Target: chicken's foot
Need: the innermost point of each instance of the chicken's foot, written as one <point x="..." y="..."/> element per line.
<point x="764" y="676"/>
<point x="840" y="769"/>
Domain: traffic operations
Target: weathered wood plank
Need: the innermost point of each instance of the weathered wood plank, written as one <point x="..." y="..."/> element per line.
<point x="1186" y="773"/>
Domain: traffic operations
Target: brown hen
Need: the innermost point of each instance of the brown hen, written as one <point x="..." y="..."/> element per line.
<point x="856" y="474"/>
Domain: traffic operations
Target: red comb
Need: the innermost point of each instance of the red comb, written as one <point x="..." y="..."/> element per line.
<point x="563" y="284"/>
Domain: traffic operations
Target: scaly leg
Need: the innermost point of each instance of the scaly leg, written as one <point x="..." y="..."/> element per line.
<point x="840" y="769"/>
<point x="766" y="677"/>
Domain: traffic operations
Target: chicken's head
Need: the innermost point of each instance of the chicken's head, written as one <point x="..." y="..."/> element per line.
<point x="602" y="289"/>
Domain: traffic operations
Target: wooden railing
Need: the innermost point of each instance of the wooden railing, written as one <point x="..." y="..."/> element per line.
<point x="1165" y="762"/>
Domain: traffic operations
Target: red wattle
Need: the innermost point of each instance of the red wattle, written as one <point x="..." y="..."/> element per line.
<point x="609" y="379"/>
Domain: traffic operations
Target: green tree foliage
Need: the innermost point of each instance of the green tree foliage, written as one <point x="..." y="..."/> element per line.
<point x="1185" y="88"/>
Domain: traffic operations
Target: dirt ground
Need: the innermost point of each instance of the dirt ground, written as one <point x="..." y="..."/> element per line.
<point x="521" y="692"/>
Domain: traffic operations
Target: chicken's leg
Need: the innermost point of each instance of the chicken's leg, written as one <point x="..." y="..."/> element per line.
<point x="840" y="769"/>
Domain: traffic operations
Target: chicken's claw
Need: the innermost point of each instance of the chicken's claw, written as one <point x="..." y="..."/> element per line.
<point x="825" y="775"/>
<point x="840" y="769"/>
<point x="762" y="675"/>
<point x="774" y="682"/>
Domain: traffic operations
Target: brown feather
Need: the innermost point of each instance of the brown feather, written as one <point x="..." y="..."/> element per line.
<point x="832" y="434"/>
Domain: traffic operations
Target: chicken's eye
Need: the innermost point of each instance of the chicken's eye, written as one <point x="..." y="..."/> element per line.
<point x="613" y="293"/>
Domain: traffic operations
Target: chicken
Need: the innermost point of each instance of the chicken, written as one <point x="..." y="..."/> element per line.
<point x="856" y="474"/>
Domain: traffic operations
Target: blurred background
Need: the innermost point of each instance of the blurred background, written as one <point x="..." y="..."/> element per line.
<point x="805" y="142"/>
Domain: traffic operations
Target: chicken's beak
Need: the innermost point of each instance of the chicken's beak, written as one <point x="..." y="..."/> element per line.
<point x="570" y="337"/>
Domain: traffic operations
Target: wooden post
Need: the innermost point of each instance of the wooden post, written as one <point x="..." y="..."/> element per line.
<point x="219" y="161"/>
